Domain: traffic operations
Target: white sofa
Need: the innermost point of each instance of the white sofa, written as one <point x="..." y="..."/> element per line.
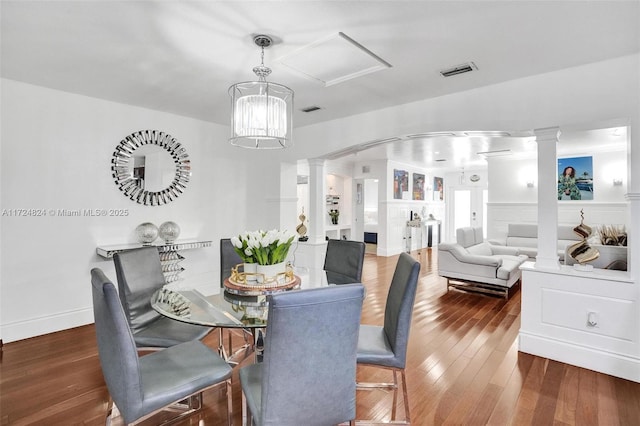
<point x="524" y="237"/>
<point x="473" y="264"/>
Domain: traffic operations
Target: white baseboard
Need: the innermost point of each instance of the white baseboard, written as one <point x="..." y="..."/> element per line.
<point x="613" y="364"/>
<point x="20" y="330"/>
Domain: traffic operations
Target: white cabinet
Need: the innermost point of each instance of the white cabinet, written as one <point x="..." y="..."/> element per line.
<point x="588" y="319"/>
<point x="338" y="198"/>
<point x="338" y="232"/>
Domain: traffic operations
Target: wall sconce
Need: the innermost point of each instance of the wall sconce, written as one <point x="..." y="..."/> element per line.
<point x="617" y="182"/>
<point x="530" y="184"/>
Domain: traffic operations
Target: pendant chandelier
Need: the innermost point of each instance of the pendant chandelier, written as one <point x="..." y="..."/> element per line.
<point x="261" y="111"/>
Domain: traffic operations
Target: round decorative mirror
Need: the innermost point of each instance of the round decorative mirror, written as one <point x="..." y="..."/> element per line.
<point x="151" y="167"/>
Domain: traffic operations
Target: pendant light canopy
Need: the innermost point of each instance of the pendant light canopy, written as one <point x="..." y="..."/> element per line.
<point x="261" y="111"/>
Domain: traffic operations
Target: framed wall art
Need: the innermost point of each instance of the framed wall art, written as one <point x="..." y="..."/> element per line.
<point x="418" y="186"/>
<point x="400" y="184"/>
<point x="438" y="189"/>
<point x="575" y="178"/>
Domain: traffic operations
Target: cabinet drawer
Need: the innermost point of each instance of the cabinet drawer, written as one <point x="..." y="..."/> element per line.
<point x="613" y="317"/>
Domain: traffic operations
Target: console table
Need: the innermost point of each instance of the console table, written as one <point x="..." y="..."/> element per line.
<point x="429" y="227"/>
<point x="170" y="257"/>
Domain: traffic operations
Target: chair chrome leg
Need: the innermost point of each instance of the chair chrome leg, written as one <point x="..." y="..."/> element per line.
<point x="394" y="387"/>
<point x="221" y="349"/>
<point x="244" y="410"/>
<point x="229" y="403"/>
<point x="405" y="397"/>
<point x="395" y="395"/>
<point x="112" y="412"/>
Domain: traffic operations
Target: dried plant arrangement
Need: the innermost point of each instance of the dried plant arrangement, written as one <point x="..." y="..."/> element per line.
<point x="611" y="235"/>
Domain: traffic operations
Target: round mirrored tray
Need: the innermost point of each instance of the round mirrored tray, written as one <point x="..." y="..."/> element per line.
<point x="241" y="288"/>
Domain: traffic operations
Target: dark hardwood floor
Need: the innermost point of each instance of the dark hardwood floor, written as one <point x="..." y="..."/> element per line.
<point x="463" y="368"/>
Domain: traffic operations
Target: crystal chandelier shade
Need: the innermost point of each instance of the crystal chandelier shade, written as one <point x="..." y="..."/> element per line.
<point x="261" y="111"/>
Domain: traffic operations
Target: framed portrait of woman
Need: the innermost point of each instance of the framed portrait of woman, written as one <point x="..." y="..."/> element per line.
<point x="575" y="178"/>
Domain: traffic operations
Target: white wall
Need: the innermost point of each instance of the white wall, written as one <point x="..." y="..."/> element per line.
<point x="392" y="231"/>
<point x="56" y="154"/>
<point x="511" y="201"/>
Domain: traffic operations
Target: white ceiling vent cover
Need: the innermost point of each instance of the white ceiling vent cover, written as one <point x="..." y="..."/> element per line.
<point x="459" y="69"/>
<point x="333" y="60"/>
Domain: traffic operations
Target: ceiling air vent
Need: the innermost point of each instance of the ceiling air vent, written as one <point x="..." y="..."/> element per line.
<point x="440" y="160"/>
<point x="310" y="109"/>
<point x="459" y="69"/>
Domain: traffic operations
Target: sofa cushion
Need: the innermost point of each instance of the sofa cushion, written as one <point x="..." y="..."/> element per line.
<point x="460" y="254"/>
<point x="482" y="249"/>
<point x="504" y="250"/>
<point x="525" y="230"/>
<point x="530" y="252"/>
<point x="524" y="236"/>
<point x="510" y="267"/>
<point x="468" y="236"/>
<point x="522" y="241"/>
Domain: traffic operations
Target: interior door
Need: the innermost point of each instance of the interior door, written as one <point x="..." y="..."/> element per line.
<point x="469" y="207"/>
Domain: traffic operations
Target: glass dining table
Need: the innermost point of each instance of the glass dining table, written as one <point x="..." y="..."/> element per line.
<point x="234" y="309"/>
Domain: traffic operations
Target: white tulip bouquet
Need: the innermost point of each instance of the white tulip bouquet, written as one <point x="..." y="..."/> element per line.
<point x="263" y="247"/>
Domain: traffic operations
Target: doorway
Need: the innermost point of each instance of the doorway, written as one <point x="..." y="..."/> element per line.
<point x="366" y="223"/>
<point x="468" y="208"/>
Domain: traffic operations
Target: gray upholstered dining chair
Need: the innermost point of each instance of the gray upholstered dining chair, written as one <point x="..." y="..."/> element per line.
<point x="343" y="261"/>
<point x="143" y="386"/>
<point x="139" y="275"/>
<point x="386" y="346"/>
<point x="308" y="375"/>
<point x="228" y="259"/>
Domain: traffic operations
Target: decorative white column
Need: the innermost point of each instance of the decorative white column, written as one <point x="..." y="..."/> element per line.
<point x="633" y="196"/>
<point x="316" y="200"/>
<point x="547" y="139"/>
<point x="633" y="230"/>
<point x="312" y="252"/>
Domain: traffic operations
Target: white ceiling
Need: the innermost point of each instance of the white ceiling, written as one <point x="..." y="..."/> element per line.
<point x="181" y="57"/>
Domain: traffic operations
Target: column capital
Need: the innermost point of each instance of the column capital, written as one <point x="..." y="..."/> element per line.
<point x="547" y="134"/>
<point x="317" y="162"/>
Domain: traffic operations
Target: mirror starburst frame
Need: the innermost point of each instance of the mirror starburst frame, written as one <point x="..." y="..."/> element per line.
<point x="121" y="170"/>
